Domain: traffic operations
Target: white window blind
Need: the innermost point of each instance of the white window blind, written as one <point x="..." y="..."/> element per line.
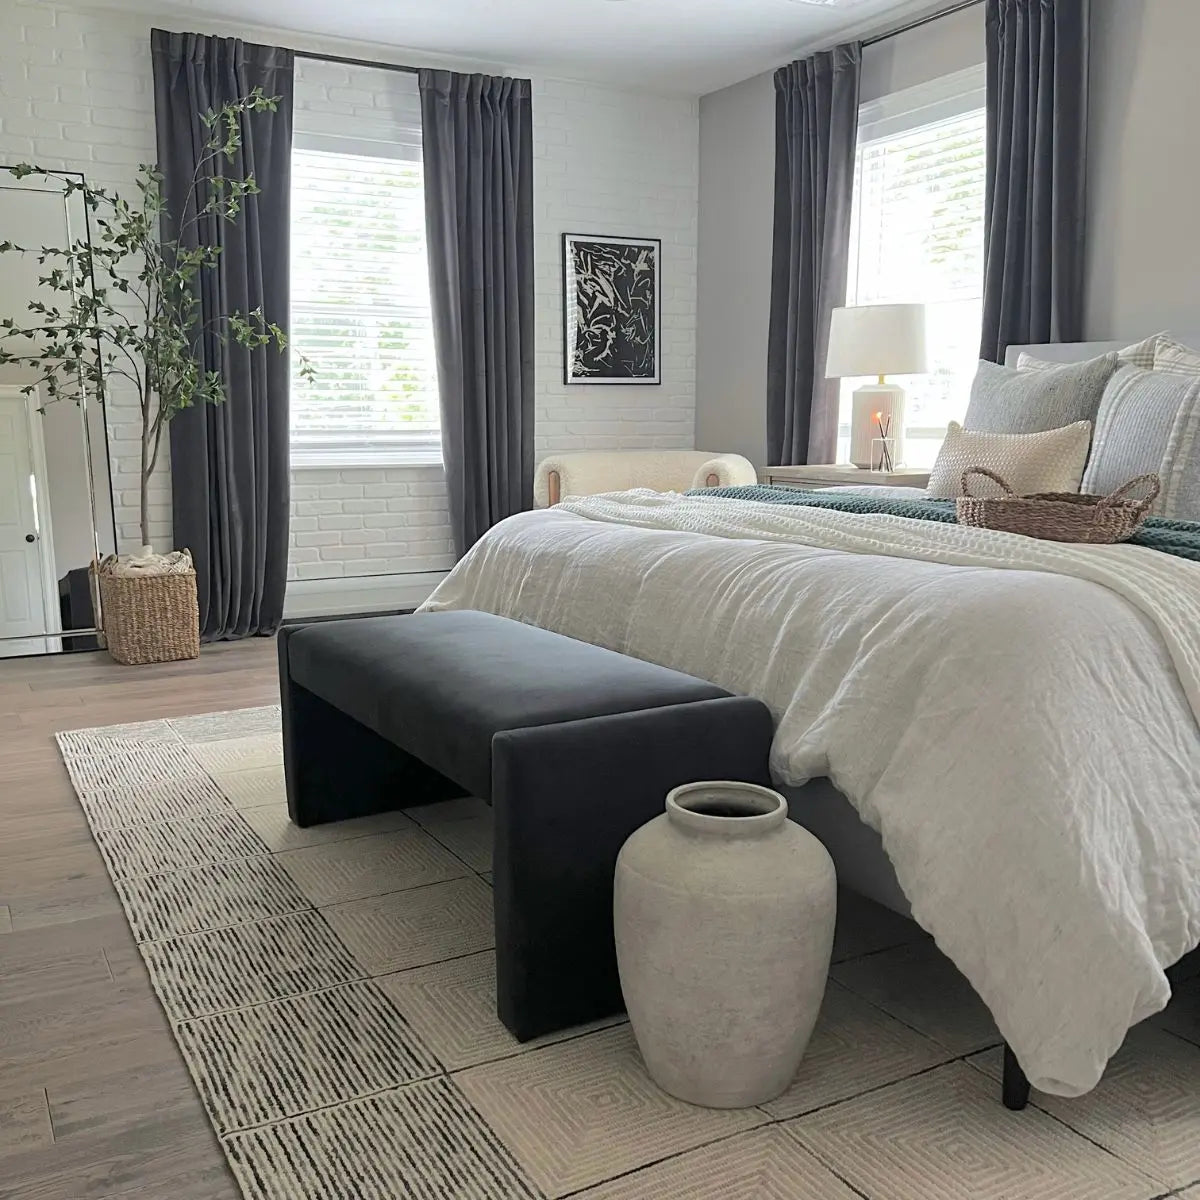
<point x="360" y="302"/>
<point x="917" y="236"/>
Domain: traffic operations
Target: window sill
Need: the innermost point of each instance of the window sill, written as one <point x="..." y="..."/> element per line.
<point x="345" y="460"/>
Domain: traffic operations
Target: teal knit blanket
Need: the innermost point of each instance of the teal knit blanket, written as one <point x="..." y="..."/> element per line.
<point x="1180" y="538"/>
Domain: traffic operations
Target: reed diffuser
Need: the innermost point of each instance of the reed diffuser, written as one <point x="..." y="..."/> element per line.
<point x="885" y="455"/>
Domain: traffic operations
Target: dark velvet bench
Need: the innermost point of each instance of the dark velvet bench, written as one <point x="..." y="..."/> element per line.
<point x="574" y="746"/>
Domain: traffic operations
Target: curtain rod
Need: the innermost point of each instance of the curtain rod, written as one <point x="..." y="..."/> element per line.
<point x="928" y="19"/>
<point x="356" y="62"/>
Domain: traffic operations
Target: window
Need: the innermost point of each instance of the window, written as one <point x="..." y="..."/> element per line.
<point x="917" y="236"/>
<point x="360" y="294"/>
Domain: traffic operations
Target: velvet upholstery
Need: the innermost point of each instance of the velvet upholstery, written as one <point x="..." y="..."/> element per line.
<point x="575" y="746"/>
<point x="477" y="143"/>
<point x="567" y="796"/>
<point x="1035" y="193"/>
<point x="816" y="135"/>
<point x="441" y="684"/>
<point x="230" y="474"/>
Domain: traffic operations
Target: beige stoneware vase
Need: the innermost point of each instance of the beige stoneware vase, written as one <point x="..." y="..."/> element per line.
<point x="724" y="913"/>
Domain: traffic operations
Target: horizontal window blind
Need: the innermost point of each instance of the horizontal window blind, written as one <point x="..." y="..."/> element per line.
<point x="917" y="236"/>
<point x="361" y="307"/>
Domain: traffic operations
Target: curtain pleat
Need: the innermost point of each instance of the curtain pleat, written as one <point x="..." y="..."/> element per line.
<point x="1035" y="200"/>
<point x="229" y="462"/>
<point x="816" y="134"/>
<point x="477" y="134"/>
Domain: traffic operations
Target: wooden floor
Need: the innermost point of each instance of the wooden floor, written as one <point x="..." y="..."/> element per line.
<point x="95" y="1102"/>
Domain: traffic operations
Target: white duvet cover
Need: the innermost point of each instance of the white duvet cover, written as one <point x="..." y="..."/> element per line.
<point x="1017" y="719"/>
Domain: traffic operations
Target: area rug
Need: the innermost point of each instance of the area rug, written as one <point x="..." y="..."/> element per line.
<point x="332" y="991"/>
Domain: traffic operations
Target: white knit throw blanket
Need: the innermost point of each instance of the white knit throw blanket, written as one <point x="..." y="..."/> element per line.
<point x="1165" y="588"/>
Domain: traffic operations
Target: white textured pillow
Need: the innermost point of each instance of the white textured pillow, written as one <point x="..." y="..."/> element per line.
<point x="1051" y="461"/>
<point x="1139" y="414"/>
<point x="1141" y="354"/>
<point x="1174" y="358"/>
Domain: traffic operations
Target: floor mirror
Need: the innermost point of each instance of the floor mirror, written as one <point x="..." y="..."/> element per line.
<point x="56" y="504"/>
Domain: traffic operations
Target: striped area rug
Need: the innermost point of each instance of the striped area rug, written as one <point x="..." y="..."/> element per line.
<point x="332" y="991"/>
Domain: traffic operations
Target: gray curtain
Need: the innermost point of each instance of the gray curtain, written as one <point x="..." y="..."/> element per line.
<point x="477" y="133"/>
<point x="1037" y="100"/>
<point x="229" y="462"/>
<point x="816" y="133"/>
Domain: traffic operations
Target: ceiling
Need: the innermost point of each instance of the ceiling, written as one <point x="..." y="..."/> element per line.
<point x="680" y="46"/>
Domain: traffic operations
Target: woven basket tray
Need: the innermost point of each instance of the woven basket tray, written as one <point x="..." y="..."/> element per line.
<point x="149" y="618"/>
<point x="1058" y="516"/>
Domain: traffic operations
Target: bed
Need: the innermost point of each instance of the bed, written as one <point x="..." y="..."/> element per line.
<point x="997" y="735"/>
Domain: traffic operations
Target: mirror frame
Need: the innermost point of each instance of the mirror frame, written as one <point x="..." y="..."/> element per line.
<point x="84" y="402"/>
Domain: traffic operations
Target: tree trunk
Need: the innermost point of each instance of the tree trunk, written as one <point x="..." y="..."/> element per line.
<point x="145" y="495"/>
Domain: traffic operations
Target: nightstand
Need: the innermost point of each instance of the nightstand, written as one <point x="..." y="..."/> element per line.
<point x="842" y="476"/>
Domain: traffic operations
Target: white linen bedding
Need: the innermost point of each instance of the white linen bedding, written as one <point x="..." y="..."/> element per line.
<point x="1024" y="739"/>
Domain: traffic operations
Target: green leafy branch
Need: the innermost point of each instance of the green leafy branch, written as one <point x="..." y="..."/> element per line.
<point x="126" y="302"/>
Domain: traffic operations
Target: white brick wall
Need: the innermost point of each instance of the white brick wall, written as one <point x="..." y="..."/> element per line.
<point x="369" y="521"/>
<point x="622" y="163"/>
<point x="75" y="93"/>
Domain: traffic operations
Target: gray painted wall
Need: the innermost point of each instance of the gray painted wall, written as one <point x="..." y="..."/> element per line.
<point x="737" y="173"/>
<point x="1143" y="235"/>
<point x="1143" y="169"/>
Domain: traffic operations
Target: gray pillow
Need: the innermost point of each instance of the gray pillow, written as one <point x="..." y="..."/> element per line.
<point x="1133" y="428"/>
<point x="1005" y="400"/>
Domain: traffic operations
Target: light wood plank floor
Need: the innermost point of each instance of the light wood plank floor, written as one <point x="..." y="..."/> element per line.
<point x="95" y="1102"/>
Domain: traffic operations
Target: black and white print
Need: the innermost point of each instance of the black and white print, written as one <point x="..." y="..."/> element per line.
<point x="611" y="306"/>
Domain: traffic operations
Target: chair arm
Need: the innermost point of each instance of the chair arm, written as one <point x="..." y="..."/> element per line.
<point x="554" y="479"/>
<point x="725" y="470"/>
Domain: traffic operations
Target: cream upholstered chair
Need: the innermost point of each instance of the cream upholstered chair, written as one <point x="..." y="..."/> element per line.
<point x="589" y="472"/>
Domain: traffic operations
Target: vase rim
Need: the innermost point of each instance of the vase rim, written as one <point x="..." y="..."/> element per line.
<point x="756" y="810"/>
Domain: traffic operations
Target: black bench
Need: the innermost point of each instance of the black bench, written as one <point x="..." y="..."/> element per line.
<point x="575" y="747"/>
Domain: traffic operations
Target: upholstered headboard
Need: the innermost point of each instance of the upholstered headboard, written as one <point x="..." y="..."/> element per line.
<point x="1069" y="352"/>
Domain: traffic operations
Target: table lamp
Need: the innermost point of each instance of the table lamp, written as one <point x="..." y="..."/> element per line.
<point x="879" y="340"/>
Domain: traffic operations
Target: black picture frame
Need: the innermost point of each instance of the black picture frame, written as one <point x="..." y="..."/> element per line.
<point x="612" y="309"/>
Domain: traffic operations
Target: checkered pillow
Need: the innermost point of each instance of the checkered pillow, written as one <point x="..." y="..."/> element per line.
<point x="1141" y="354"/>
<point x="1174" y="358"/>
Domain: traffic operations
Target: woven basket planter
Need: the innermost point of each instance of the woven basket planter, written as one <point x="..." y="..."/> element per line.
<point x="150" y="618"/>
<point x="1058" y="516"/>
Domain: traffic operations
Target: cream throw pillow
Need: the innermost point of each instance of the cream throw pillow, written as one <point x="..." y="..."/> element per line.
<point x="1051" y="461"/>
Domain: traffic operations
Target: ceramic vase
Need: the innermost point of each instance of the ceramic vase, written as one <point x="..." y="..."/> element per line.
<point x="724" y="913"/>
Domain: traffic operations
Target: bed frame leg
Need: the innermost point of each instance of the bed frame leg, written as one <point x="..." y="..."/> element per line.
<point x="1015" y="1088"/>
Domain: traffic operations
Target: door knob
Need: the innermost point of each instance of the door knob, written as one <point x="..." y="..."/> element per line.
<point x="29" y="537"/>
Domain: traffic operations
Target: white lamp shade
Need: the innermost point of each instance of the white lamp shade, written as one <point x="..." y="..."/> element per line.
<point x="877" y="339"/>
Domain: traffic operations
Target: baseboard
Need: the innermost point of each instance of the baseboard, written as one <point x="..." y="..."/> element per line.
<point x="360" y="594"/>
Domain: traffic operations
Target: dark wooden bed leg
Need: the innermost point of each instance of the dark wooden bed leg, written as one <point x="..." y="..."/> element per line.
<point x="1015" y="1088"/>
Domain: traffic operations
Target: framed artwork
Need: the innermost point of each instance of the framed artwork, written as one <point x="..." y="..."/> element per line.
<point x="611" y="309"/>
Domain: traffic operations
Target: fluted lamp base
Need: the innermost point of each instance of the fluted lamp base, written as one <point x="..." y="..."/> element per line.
<point x="875" y="403"/>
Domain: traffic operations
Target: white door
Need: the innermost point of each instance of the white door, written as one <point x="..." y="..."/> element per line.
<point x="23" y="602"/>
